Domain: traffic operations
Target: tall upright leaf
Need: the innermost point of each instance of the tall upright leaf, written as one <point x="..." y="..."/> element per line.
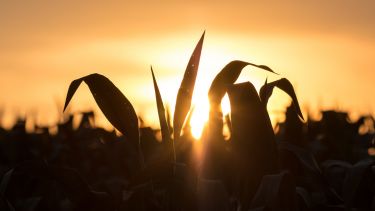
<point x="163" y="121"/>
<point x="185" y="93"/>
<point x="283" y="84"/>
<point x="114" y="105"/>
<point x="161" y="111"/>
<point x="168" y="116"/>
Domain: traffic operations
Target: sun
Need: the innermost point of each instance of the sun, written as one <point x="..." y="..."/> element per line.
<point x="211" y="63"/>
<point x="213" y="59"/>
<point x="200" y="115"/>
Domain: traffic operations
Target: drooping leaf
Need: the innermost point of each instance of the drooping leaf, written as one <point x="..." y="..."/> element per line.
<point x="72" y="89"/>
<point x="227" y="76"/>
<point x="163" y="121"/>
<point x="285" y="85"/>
<point x="114" y="105"/>
<point x="185" y="92"/>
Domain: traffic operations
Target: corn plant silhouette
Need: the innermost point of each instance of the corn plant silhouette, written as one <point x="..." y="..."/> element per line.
<point x="114" y="105"/>
<point x="252" y="167"/>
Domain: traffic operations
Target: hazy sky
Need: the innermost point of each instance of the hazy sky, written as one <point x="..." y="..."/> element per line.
<point x="325" y="47"/>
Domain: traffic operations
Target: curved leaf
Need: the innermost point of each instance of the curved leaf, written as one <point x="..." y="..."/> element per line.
<point x="283" y="84"/>
<point x="114" y="105"/>
<point x="265" y="92"/>
<point x="72" y="89"/>
<point x="227" y="76"/>
<point x="185" y="93"/>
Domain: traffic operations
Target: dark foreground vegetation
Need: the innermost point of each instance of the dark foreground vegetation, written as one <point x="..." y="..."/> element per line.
<point x="324" y="164"/>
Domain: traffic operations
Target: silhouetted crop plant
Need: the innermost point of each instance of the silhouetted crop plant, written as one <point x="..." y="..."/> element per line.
<point x="252" y="170"/>
<point x="114" y="105"/>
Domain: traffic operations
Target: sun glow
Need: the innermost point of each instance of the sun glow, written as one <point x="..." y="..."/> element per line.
<point x="211" y="63"/>
<point x="213" y="58"/>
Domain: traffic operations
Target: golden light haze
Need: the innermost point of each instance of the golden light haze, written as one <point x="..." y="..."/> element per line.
<point x="325" y="48"/>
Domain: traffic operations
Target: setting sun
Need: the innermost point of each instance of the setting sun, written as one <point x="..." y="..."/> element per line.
<point x="94" y="96"/>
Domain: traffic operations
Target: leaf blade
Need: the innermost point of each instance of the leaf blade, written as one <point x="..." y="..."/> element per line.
<point x="71" y="90"/>
<point x="285" y="85"/>
<point x="162" y="119"/>
<point x="185" y="92"/>
<point x="161" y="111"/>
<point x="114" y="105"/>
<point x="227" y="76"/>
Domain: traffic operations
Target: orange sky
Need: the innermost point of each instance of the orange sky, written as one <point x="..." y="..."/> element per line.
<point x="325" y="47"/>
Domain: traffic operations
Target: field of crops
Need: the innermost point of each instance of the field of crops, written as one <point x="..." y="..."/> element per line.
<point x="302" y="164"/>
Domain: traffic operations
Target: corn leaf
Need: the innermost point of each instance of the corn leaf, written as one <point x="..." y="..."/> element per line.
<point x="72" y="89"/>
<point x="161" y="111"/>
<point x="187" y="126"/>
<point x="227" y="76"/>
<point x="253" y="139"/>
<point x="283" y="84"/>
<point x="185" y="93"/>
<point x="163" y="121"/>
<point x="168" y="116"/>
<point x="115" y="106"/>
